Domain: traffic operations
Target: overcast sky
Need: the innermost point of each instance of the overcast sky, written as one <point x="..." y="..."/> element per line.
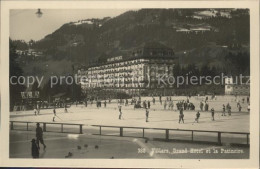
<point x="25" y="25"/>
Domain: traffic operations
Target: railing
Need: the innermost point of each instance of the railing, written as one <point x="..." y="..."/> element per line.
<point x="167" y="133"/>
<point x="121" y="130"/>
<point x="45" y="125"/>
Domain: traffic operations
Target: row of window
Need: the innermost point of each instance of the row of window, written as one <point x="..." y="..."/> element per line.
<point x="140" y="67"/>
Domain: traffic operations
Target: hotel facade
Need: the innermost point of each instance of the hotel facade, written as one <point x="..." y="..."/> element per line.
<point x="142" y="71"/>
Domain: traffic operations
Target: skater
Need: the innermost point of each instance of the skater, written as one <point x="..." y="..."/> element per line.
<point x="197" y="117"/>
<point x="105" y="104"/>
<point x="229" y="110"/>
<point x="212" y="114"/>
<point x="35" y="111"/>
<point x="153" y="100"/>
<point x="181" y="116"/>
<point x="35" y="149"/>
<point x="38" y="109"/>
<point x="248" y="108"/>
<point x="201" y="106"/>
<point x="39" y="136"/>
<point x="224" y="110"/>
<point x="247" y="99"/>
<point x="144" y="104"/>
<point x="206" y="106"/>
<point x="238" y="103"/>
<point x="149" y="104"/>
<point x="184" y="105"/>
<point x="120" y="112"/>
<point x="54" y="114"/>
<point x="239" y="108"/>
<point x="147" y="114"/>
<point x="165" y="104"/>
<point x="172" y="104"/>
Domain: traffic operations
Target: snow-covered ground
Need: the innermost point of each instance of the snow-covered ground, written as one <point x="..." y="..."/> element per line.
<point x="82" y="22"/>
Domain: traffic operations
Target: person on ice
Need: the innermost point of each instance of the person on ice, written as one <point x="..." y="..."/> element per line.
<point x="38" y="109"/>
<point x="144" y="104"/>
<point x="35" y="111"/>
<point x="120" y="112"/>
<point x="54" y="111"/>
<point x="35" y="149"/>
<point x="212" y="114"/>
<point x="172" y="104"/>
<point x="165" y="104"/>
<point x="201" y="106"/>
<point x="105" y="104"/>
<point x="239" y="108"/>
<point x="39" y="136"/>
<point x="147" y="114"/>
<point x="229" y="110"/>
<point x="54" y="114"/>
<point x="238" y="103"/>
<point x="197" y="117"/>
<point x="206" y="106"/>
<point x="181" y="116"/>
<point x="224" y="110"/>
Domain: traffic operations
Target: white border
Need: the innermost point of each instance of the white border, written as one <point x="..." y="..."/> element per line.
<point x="253" y="162"/>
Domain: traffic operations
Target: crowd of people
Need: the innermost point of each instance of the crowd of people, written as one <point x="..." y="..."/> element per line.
<point x="183" y="105"/>
<point x="167" y="103"/>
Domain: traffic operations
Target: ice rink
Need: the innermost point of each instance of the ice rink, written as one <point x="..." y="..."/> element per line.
<point x="158" y="117"/>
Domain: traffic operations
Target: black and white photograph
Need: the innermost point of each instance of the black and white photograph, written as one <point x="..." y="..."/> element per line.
<point x="144" y="82"/>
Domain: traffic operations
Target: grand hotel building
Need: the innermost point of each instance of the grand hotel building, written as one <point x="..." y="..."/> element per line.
<point x="135" y="73"/>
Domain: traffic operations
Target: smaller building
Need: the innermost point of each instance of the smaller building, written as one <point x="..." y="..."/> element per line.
<point x="228" y="85"/>
<point x="234" y="86"/>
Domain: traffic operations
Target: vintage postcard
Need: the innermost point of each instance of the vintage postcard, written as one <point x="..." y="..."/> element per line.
<point x="130" y="84"/>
